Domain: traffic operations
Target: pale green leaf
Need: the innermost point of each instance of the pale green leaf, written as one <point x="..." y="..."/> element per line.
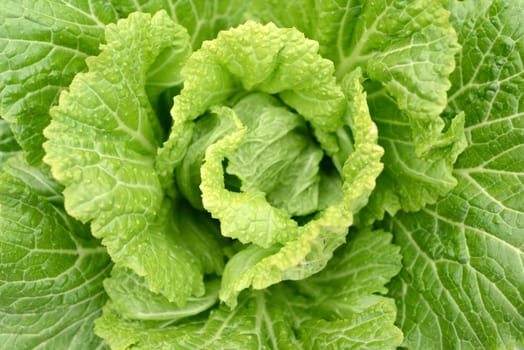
<point x="330" y="22"/>
<point x="102" y="144"/>
<point x="287" y="158"/>
<point x="209" y="128"/>
<point x="309" y="249"/>
<point x="245" y="58"/>
<point x="338" y="308"/>
<point x="246" y="216"/>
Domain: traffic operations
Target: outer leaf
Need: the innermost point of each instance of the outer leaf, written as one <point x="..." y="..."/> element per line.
<point x="131" y="298"/>
<point x="43" y="44"/>
<point x="408" y="181"/>
<point x="350" y="314"/>
<point x="8" y="145"/>
<point x="243" y="328"/>
<point x="202" y="19"/>
<point x="371" y="328"/>
<point x="102" y="145"/>
<point x="409" y="47"/>
<point x="464" y="276"/>
<point x="51" y="269"/>
<point x="369" y="261"/>
<point x="337" y="305"/>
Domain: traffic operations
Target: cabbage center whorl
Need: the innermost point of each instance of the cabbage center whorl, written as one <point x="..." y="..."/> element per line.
<point x="277" y="156"/>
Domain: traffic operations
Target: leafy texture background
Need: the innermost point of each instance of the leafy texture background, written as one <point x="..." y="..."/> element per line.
<point x="51" y="268"/>
<point x="8" y="145"/>
<point x="463" y="277"/>
<point x="41" y="59"/>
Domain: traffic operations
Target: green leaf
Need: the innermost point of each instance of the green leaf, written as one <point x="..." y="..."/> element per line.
<point x="338" y="305"/>
<point x="369" y="261"/>
<point x="8" y="145"/>
<point x="330" y="22"/>
<point x="409" y="182"/>
<point x="243" y="328"/>
<point x="52" y="269"/>
<point x="131" y="298"/>
<point x="351" y="313"/>
<point x="462" y="284"/>
<point x="409" y="47"/>
<point x="371" y="328"/>
<point x="202" y="19"/>
<point x="43" y="45"/>
<point x="102" y="144"/>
